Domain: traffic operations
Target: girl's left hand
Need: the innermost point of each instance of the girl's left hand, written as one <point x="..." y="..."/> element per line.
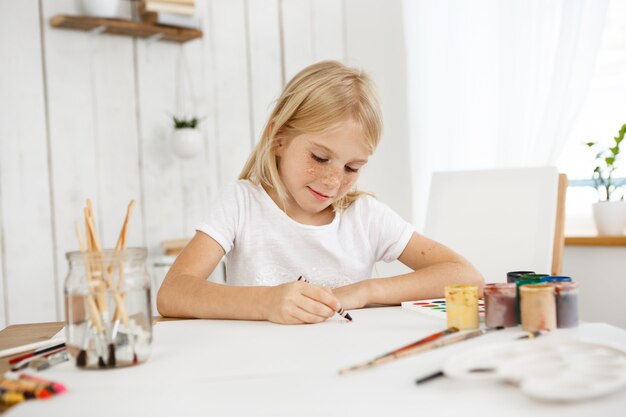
<point x="353" y="296"/>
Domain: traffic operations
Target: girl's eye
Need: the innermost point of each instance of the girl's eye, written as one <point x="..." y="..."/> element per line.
<point x="350" y="169"/>
<point x="318" y="159"/>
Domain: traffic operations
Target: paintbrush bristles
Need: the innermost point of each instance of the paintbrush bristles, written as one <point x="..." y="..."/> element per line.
<point x="121" y="240"/>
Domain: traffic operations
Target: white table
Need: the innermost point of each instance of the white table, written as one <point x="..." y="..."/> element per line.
<point x="241" y="368"/>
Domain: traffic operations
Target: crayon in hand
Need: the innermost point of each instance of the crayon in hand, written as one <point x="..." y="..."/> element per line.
<point x="341" y="311"/>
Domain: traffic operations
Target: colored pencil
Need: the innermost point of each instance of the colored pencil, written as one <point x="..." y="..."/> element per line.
<point x="27" y="361"/>
<point x="35" y="353"/>
<point x="418" y="346"/>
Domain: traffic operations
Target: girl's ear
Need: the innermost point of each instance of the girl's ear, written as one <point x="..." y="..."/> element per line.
<point x="279" y="143"/>
<point x="279" y="140"/>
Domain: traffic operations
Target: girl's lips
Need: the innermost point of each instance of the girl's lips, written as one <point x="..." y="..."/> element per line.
<point x="317" y="195"/>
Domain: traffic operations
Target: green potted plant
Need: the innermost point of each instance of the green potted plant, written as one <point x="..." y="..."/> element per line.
<point x="187" y="138"/>
<point x="609" y="212"/>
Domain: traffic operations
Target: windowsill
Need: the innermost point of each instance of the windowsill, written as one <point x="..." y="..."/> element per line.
<point x="595" y="241"/>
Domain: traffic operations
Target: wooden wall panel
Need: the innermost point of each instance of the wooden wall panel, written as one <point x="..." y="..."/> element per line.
<point x="313" y="31"/>
<point x="116" y="138"/>
<point x="264" y="60"/>
<point x="265" y="67"/>
<point x="26" y="232"/>
<point x="233" y="133"/>
<point x="297" y="25"/>
<point x="198" y="175"/>
<point x="162" y="204"/>
<point x="328" y="30"/>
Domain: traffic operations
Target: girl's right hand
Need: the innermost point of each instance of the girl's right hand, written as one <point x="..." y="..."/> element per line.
<point x="300" y="302"/>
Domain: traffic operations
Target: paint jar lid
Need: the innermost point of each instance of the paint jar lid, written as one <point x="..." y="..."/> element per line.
<point x="564" y="287"/>
<point x="537" y="288"/>
<point x="518" y="274"/>
<point x="450" y="289"/>
<point x="499" y="288"/>
<point x="535" y="277"/>
<point x="557" y="278"/>
<point x="514" y="276"/>
<point x="522" y="282"/>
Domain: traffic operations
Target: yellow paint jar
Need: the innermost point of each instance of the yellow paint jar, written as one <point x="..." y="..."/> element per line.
<point x="462" y="306"/>
<point x="538" y="307"/>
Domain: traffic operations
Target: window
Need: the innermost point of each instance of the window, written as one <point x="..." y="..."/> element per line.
<point x="600" y="118"/>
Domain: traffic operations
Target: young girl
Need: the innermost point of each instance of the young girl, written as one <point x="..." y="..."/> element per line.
<point x="295" y="212"/>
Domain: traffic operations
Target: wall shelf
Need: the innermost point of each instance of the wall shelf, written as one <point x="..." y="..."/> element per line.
<point x="595" y="241"/>
<point x="125" y="28"/>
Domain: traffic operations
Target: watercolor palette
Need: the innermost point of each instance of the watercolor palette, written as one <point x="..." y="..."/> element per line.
<point x="436" y="307"/>
<point x="550" y="369"/>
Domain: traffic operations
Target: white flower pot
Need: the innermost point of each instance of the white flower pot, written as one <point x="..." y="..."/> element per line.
<point x="610" y="217"/>
<point x="187" y="142"/>
<point x="100" y="8"/>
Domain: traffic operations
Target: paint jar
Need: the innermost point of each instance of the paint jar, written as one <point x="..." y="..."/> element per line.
<point x="108" y="317"/>
<point x="500" y="305"/>
<point x="514" y="276"/>
<point x="525" y="279"/>
<point x="538" y="307"/>
<point x="462" y="306"/>
<point x="566" y="304"/>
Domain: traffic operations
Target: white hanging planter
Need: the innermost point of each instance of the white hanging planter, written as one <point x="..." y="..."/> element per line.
<point x="610" y="217"/>
<point x="100" y="8"/>
<point x="186" y="143"/>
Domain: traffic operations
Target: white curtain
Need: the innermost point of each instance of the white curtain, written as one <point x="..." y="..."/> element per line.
<point x="495" y="83"/>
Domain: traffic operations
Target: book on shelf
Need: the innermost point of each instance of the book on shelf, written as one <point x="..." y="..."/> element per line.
<point x="170" y="19"/>
<point x="189" y="2"/>
<point x="168" y="6"/>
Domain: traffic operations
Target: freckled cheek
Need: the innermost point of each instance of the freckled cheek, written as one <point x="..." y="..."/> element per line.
<point x="311" y="170"/>
<point x="347" y="182"/>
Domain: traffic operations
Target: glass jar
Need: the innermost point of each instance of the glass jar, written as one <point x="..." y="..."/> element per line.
<point x="462" y="306"/>
<point x="500" y="305"/>
<point x="538" y="307"/>
<point x="108" y="317"/>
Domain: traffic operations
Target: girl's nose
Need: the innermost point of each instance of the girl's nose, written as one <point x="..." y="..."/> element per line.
<point x="331" y="178"/>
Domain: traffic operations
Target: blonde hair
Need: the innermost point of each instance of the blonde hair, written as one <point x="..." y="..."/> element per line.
<point x="318" y="98"/>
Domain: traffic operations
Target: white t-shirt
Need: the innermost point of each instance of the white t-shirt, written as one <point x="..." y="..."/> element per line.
<point x="264" y="246"/>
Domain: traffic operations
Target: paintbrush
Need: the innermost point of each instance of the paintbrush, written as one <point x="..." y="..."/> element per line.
<point x="90" y="302"/>
<point x="400" y="352"/>
<point x="81" y="359"/>
<point x="120" y="311"/>
<point x="95" y="299"/>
